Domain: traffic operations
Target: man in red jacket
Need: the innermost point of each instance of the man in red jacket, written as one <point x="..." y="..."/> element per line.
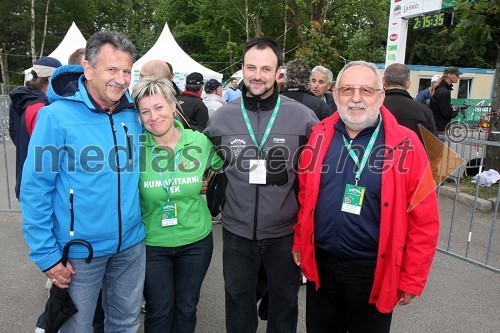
<point x="368" y="222"/>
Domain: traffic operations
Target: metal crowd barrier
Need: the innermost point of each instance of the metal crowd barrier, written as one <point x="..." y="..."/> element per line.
<point x="469" y="221"/>
<point x="8" y="202"/>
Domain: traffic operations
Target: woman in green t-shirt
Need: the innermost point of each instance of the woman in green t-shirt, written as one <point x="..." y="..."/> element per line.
<point x="178" y="223"/>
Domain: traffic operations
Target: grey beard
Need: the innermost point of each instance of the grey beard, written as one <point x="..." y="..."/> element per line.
<point x="358" y="126"/>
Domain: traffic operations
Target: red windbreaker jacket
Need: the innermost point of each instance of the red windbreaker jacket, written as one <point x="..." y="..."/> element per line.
<point x="409" y="225"/>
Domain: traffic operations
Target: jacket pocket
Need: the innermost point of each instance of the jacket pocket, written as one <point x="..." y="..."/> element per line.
<point x="277" y="170"/>
<point x="128" y="138"/>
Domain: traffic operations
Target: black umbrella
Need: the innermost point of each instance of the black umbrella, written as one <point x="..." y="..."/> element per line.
<point x="60" y="306"/>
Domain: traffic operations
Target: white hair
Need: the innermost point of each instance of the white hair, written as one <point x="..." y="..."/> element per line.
<point x="366" y="64"/>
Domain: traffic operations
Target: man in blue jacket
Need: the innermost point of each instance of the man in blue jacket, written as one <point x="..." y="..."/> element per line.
<point x="80" y="182"/>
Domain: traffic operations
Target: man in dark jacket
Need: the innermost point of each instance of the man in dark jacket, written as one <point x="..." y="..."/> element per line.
<point x="407" y="111"/>
<point x="297" y="78"/>
<point x="320" y="82"/>
<point x="260" y="136"/>
<point x="440" y="102"/>
<point x="172" y="75"/>
<point x="192" y="104"/>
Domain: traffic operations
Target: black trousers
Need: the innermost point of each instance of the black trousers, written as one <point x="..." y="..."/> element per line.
<point x="242" y="259"/>
<point x="340" y="305"/>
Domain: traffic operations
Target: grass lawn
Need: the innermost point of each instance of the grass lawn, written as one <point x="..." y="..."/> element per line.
<point x="466" y="186"/>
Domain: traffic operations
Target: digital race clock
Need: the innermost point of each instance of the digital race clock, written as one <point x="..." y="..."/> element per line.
<point x="432" y="20"/>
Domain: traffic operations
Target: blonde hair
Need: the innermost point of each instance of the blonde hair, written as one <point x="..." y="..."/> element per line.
<point x="435" y="84"/>
<point x="150" y="86"/>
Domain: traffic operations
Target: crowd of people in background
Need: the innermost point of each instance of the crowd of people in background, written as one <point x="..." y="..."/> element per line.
<point x="295" y="169"/>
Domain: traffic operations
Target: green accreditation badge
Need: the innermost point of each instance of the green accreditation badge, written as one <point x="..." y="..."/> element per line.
<point x="353" y="199"/>
<point x="168" y="214"/>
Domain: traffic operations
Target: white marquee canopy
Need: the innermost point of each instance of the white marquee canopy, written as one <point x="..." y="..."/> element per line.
<point x="167" y="49"/>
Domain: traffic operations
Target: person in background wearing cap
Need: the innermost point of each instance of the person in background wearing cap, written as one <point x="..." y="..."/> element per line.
<point x="424" y="96"/>
<point x="213" y="99"/>
<point x="403" y="107"/>
<point x="192" y="104"/>
<point x="232" y="92"/>
<point x="440" y="102"/>
<point x="26" y="102"/>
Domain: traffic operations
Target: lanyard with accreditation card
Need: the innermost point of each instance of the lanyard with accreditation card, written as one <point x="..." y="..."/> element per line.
<point x="257" y="174"/>
<point x="168" y="209"/>
<point x="353" y="194"/>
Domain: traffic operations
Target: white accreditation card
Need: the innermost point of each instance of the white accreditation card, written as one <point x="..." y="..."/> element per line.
<point x="257" y="174"/>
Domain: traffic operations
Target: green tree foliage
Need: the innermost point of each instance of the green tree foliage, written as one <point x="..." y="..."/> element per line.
<point x="17" y="26"/>
<point x="479" y="27"/>
<point x="214" y="33"/>
<point x="469" y="42"/>
<point x="349" y="30"/>
<point x="135" y="18"/>
<point x="15" y="40"/>
<point x="318" y="49"/>
<point x="211" y="33"/>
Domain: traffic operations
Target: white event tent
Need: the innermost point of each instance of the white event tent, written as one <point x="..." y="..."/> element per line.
<point x="70" y="43"/>
<point x="167" y="49"/>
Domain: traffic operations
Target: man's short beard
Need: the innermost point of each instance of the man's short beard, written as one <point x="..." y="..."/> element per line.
<point x="263" y="93"/>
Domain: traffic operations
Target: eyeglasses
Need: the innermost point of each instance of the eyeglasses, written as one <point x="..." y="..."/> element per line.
<point x="364" y="91"/>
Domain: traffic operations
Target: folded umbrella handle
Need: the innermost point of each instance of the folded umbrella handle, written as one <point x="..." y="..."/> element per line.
<point x="64" y="259"/>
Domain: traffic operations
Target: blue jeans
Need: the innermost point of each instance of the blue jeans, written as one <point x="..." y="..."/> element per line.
<point x="174" y="276"/>
<point x="121" y="277"/>
<point x="340" y="304"/>
<point x="241" y="262"/>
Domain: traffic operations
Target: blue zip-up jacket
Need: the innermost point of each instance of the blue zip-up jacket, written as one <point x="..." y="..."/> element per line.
<point x="80" y="179"/>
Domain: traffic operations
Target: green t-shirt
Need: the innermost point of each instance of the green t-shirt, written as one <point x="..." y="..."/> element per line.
<point x="194" y="154"/>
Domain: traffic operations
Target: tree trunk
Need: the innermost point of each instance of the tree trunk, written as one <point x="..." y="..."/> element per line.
<point x="410" y="51"/>
<point x="45" y="27"/>
<point x="319" y="8"/>
<point x="492" y="158"/>
<point x="231" y="57"/>
<point x="257" y="23"/>
<point x="4" y="69"/>
<point x="296" y="18"/>
<point x="33" y="50"/>
<point x="285" y="23"/>
<point x="247" y="29"/>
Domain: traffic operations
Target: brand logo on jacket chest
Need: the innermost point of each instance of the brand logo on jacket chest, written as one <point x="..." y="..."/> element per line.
<point x="237" y="145"/>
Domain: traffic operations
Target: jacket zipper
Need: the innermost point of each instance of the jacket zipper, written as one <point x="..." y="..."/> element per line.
<point x="113" y="129"/>
<point x="72" y="213"/>
<point x="129" y="145"/>
<point x="257" y="188"/>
